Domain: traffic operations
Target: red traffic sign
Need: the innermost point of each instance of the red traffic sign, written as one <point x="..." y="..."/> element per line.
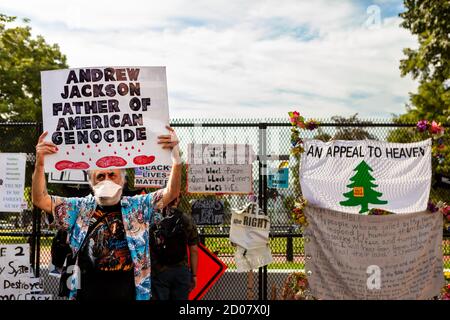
<point x="209" y="270"/>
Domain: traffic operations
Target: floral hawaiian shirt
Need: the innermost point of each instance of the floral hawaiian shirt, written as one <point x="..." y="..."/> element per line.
<point x="74" y="214"/>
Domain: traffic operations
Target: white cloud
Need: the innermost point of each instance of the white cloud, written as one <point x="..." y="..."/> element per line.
<point x="240" y="58"/>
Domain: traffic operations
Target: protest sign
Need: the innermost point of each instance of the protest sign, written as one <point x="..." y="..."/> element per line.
<point x="249" y="231"/>
<point x="12" y="181"/>
<point x="218" y="168"/>
<point x="153" y="176"/>
<point x="15" y="272"/>
<point x="102" y="118"/>
<point x="387" y="257"/>
<point x="278" y="178"/>
<point x="356" y="176"/>
<point x="207" y="211"/>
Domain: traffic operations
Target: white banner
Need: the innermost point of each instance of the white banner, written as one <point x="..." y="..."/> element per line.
<point x="105" y="117"/>
<point x="356" y="176"/>
<point x="12" y="181"/>
<point x="386" y="257"/>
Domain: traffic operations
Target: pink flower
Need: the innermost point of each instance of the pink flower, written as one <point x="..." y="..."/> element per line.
<point x="436" y="128"/>
<point x="296" y="114"/>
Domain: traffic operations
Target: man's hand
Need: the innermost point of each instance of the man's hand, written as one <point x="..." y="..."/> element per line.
<point x="44" y="148"/>
<point x="171" y="141"/>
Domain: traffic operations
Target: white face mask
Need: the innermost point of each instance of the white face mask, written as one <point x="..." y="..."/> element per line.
<point x="107" y="193"/>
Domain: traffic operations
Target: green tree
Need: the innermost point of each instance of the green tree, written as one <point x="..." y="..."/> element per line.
<point x="428" y="20"/>
<point x="351" y="128"/>
<point x="362" y="192"/>
<point x="22" y="57"/>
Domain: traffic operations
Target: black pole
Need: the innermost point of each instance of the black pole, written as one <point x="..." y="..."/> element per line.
<point x="39" y="128"/>
<point x="262" y="200"/>
<point x="290" y="246"/>
<point x="32" y="240"/>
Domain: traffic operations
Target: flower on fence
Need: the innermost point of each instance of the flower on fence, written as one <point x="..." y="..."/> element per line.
<point x="296" y="287"/>
<point x="297" y="121"/>
<point x="422" y="125"/>
<point x="443" y="208"/>
<point x="436" y="131"/>
<point x="445" y="292"/>
<point x="433" y="127"/>
<point x="297" y="213"/>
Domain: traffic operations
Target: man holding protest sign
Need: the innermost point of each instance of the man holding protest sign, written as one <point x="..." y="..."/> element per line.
<point x="108" y="232"/>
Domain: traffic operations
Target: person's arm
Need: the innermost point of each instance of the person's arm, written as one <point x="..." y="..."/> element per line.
<point x="172" y="190"/>
<point x="39" y="194"/>
<point x="193" y="254"/>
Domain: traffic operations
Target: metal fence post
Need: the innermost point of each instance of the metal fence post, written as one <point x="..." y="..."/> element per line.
<point x="262" y="200"/>
<point x="37" y="221"/>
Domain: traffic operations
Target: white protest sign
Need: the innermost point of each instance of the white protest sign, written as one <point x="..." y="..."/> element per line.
<point x="153" y="176"/>
<point x="68" y="177"/>
<point x="386" y="257"/>
<point x="217" y="168"/>
<point x="12" y="181"/>
<point x="15" y="272"/>
<point x="107" y="117"/>
<point x="356" y="176"/>
<point x="250" y="227"/>
<point x="249" y="231"/>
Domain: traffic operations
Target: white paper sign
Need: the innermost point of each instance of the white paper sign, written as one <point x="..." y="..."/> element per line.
<point x="15" y="272"/>
<point x="12" y="181"/>
<point x="217" y="168"/>
<point x="153" y="176"/>
<point x="356" y="176"/>
<point x="106" y="117"/>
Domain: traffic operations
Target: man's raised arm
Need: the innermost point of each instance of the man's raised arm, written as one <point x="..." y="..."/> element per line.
<point x="39" y="194"/>
<point x="172" y="190"/>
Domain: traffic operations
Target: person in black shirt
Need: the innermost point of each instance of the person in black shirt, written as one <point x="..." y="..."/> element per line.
<point x="174" y="272"/>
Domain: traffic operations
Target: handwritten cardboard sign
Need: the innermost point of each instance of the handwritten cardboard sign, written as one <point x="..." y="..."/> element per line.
<point x="15" y="272"/>
<point x="108" y="117"/>
<point x="12" y="181"/>
<point x="217" y="168"/>
<point x="208" y="211"/>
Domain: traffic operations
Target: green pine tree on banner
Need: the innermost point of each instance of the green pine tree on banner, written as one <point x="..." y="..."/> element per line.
<point x="362" y="192"/>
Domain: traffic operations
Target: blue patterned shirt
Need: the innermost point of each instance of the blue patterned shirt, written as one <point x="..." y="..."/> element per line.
<point x="74" y="214"/>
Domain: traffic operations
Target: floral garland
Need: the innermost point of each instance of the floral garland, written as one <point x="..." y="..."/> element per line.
<point x="298" y="122"/>
<point x="297" y="213"/>
<point x="436" y="131"/>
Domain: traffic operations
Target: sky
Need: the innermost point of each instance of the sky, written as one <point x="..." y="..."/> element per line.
<point x="242" y="59"/>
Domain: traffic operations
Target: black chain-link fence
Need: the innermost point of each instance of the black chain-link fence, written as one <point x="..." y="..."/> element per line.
<point x="271" y="142"/>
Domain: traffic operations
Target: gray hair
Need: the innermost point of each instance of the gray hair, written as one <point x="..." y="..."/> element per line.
<point x="123" y="174"/>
